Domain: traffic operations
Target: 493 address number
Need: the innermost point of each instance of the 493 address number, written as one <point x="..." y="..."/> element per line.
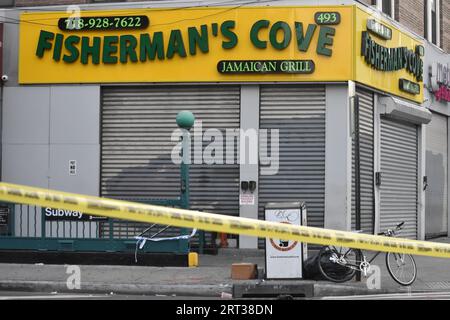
<point x="327" y="18"/>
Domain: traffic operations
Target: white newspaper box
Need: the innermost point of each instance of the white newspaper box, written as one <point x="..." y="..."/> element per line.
<point x="284" y="258"/>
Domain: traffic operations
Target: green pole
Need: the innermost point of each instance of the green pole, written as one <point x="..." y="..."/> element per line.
<point x="185" y="120"/>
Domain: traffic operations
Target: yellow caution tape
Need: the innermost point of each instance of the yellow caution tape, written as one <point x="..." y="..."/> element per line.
<point x="214" y="222"/>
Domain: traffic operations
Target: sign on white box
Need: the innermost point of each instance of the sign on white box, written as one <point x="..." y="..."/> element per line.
<point x="284" y="258"/>
<point x="72" y="167"/>
<point x="246" y="199"/>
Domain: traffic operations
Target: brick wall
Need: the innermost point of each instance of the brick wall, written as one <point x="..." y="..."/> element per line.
<point x="411" y="14"/>
<point x="445" y="25"/>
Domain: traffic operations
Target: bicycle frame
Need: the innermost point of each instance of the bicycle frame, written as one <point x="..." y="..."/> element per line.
<point x="344" y="257"/>
<point x="358" y="265"/>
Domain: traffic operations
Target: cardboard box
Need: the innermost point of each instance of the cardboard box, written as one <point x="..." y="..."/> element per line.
<point x="243" y="271"/>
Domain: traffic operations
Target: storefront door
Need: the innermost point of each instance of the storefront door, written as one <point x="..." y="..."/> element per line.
<point x="399" y="165"/>
<point x="298" y="112"/>
<point x="136" y="146"/>
<point x="437" y="177"/>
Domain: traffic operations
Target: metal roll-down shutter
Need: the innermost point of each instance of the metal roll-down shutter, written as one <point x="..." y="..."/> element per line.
<point x="398" y="190"/>
<point x="298" y="112"/>
<point x="436" y="199"/>
<point x="137" y="124"/>
<point x="366" y="163"/>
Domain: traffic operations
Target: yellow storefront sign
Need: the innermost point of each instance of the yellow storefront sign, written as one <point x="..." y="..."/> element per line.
<point x="387" y="62"/>
<point x="198" y="45"/>
<point x="187" y="46"/>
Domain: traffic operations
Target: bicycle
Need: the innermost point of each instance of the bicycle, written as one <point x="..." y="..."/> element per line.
<point x="339" y="264"/>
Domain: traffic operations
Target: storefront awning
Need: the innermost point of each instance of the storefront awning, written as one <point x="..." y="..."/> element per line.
<point x="402" y="110"/>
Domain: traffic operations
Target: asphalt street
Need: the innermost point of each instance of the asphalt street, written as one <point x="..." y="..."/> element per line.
<point x="396" y="296"/>
<point x="19" y="295"/>
<point x="16" y="295"/>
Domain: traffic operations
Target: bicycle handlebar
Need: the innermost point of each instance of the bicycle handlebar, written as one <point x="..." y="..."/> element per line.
<point x="400" y="225"/>
<point x="390" y="232"/>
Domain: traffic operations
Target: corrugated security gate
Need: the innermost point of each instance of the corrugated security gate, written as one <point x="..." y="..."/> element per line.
<point x="298" y="112"/>
<point x="436" y="170"/>
<point x="398" y="190"/>
<point x="366" y="141"/>
<point x="137" y="124"/>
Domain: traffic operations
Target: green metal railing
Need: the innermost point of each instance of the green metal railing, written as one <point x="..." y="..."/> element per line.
<point x="26" y="227"/>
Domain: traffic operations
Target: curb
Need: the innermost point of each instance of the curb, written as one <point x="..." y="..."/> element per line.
<point x="325" y="289"/>
<point x="133" y="289"/>
<point x="182" y="290"/>
<point x="302" y="288"/>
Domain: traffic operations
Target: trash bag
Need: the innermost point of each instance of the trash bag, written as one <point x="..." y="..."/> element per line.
<point x="311" y="269"/>
<point x="332" y="269"/>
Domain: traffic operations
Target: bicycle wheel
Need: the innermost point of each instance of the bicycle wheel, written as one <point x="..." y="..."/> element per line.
<point x="338" y="264"/>
<point x="401" y="267"/>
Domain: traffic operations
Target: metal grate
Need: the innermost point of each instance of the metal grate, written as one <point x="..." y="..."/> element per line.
<point x="298" y="112"/>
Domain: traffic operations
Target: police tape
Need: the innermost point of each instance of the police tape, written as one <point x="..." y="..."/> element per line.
<point x="213" y="222"/>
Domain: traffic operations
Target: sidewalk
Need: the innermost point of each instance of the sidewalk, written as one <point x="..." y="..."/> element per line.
<point x="210" y="279"/>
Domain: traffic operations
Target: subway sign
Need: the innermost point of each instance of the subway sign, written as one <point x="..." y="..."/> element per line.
<point x="211" y="44"/>
<point x="52" y="214"/>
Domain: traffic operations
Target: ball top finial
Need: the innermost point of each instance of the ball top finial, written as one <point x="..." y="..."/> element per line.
<point x="185" y="119"/>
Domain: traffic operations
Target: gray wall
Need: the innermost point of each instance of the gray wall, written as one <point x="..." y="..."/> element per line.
<point x="434" y="172"/>
<point x="249" y="172"/>
<point x="46" y="126"/>
<point x="338" y="158"/>
<point x="43" y="127"/>
<point x="434" y="54"/>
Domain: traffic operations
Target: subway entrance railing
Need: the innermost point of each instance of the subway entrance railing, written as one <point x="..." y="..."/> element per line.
<point x="27" y="227"/>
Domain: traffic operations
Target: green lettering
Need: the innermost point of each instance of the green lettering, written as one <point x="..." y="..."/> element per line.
<point x="372" y="53"/>
<point x="197" y="39"/>
<point x="229" y="67"/>
<point x="365" y="45"/>
<point x="405" y="57"/>
<point x="128" y="44"/>
<point x="391" y="59"/>
<point x="150" y="48"/>
<point x="255" y="31"/>
<point x="109" y="48"/>
<point x="326" y="35"/>
<point x="69" y="44"/>
<point x="386" y="59"/>
<point x="227" y="33"/>
<point x="176" y="45"/>
<point x="420" y="75"/>
<point x="303" y="41"/>
<point x="377" y="56"/>
<point x="87" y="50"/>
<point x="286" y="30"/>
<point x="43" y="43"/>
<point x="58" y="47"/>
<point x="399" y="58"/>
<point x="272" y="65"/>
